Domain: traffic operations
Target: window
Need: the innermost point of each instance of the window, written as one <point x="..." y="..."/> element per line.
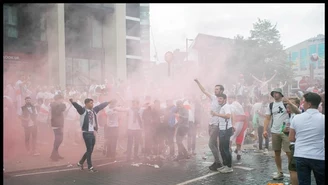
<point x="312" y="50"/>
<point x="69" y="71"/>
<point x="10" y="20"/>
<point x="96" y="34"/>
<point x="145" y="32"/>
<point x="132" y="28"/>
<point x="133" y="47"/>
<point x="80" y="71"/>
<point x="95" y="70"/>
<point x="132" y="66"/>
<point x="303" y="59"/>
<point x="43" y="27"/>
<point x="295" y="60"/>
<point x="133" y="10"/>
<point x="321" y="54"/>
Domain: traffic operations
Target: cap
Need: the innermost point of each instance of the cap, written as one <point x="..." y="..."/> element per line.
<point x="278" y="90"/>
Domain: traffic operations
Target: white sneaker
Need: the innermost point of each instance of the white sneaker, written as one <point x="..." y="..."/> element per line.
<point x="278" y="176"/>
<point x="265" y="151"/>
<point x="221" y="168"/>
<point x="226" y="170"/>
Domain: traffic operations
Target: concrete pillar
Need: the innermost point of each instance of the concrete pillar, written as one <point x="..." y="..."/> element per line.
<point x="114" y="35"/>
<point x="56" y="45"/>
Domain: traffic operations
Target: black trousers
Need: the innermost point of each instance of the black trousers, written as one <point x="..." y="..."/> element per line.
<point x="181" y="133"/>
<point x="170" y="139"/>
<point x="224" y="145"/>
<point x="90" y="141"/>
<point x="30" y="137"/>
<point x="111" y="138"/>
<point x="59" y="135"/>
<point x="134" y="138"/>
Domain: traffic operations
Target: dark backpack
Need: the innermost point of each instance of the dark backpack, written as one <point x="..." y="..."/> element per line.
<point x="271" y="105"/>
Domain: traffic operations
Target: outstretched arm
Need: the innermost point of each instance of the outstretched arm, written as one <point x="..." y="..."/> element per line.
<point x="78" y="107"/>
<point x="256" y="78"/>
<point x="203" y="89"/>
<point x="100" y="107"/>
<point x="284" y="84"/>
<point x="275" y="73"/>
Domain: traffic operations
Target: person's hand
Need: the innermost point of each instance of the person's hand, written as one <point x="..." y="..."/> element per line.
<point x="233" y="129"/>
<point x="265" y="134"/>
<point x="286" y="129"/>
<point x="196" y="80"/>
<point x="212" y="113"/>
<point x="71" y="100"/>
<point x="285" y="100"/>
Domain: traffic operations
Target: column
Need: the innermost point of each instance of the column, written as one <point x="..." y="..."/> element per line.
<point x="56" y="45"/>
<point x="114" y="35"/>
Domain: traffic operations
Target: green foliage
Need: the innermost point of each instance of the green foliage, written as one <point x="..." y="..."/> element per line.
<point x="260" y="54"/>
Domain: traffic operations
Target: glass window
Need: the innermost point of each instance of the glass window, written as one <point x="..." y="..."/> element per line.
<point x="321" y="54"/>
<point x="303" y="59"/>
<point x="132" y="66"/>
<point x="132" y="28"/>
<point x="96" y="34"/>
<point x="69" y="71"/>
<point x="95" y="70"/>
<point x="133" y="47"/>
<point x="133" y="10"/>
<point x="80" y="71"/>
<point x="10" y="20"/>
<point x="312" y="50"/>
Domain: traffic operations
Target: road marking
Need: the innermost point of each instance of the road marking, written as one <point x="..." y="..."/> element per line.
<point x="198" y="178"/>
<point x="244" y="168"/>
<point x="206" y="162"/>
<point x="62" y="170"/>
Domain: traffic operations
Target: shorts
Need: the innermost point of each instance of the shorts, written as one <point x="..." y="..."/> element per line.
<point x="239" y="134"/>
<point x="280" y="141"/>
<point x="292" y="162"/>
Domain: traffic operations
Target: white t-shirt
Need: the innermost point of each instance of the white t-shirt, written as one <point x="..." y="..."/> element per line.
<point x="226" y="109"/>
<point x="215" y="107"/>
<point x="237" y="108"/>
<point x="310" y="134"/>
<point x="279" y="116"/>
<point x="112" y="117"/>
<point x="256" y="107"/>
<point x="40" y="95"/>
<point x="91" y="126"/>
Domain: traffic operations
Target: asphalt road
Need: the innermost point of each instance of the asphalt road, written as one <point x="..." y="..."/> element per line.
<point x="253" y="169"/>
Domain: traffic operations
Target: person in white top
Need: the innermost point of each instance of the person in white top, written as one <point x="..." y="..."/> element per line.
<point x="213" y="124"/>
<point x="225" y="132"/>
<point x="293" y="109"/>
<point x="265" y="83"/>
<point x="307" y="130"/>
<point x="239" y="123"/>
<point x="277" y="113"/>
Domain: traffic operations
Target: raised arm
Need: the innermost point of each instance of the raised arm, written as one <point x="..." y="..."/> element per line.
<point x="78" y="107"/>
<point x="256" y="78"/>
<point x="203" y="89"/>
<point x="284" y="84"/>
<point x="100" y="107"/>
<point x="275" y="73"/>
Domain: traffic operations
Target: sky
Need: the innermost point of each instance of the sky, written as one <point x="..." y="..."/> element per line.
<point x="171" y="24"/>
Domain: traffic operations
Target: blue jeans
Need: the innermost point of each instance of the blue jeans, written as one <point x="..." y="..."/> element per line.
<point x="224" y="145"/>
<point x="90" y="140"/>
<point x="304" y="167"/>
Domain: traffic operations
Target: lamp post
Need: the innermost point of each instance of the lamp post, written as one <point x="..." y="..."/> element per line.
<point x="168" y="58"/>
<point x="187" y="48"/>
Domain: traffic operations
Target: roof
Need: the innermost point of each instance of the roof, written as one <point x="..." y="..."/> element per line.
<point x="209" y="41"/>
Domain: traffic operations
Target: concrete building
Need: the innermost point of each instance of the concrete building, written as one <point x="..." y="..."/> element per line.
<point x="299" y="57"/>
<point x="76" y="44"/>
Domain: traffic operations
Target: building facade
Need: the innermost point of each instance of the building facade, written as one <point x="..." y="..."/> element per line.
<point x="75" y="44"/>
<point x="299" y="58"/>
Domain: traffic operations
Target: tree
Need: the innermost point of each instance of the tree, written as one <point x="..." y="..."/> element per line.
<point x="261" y="53"/>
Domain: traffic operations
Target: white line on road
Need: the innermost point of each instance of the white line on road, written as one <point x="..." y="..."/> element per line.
<point x="244" y="168"/>
<point x="198" y="178"/>
<point x="62" y="170"/>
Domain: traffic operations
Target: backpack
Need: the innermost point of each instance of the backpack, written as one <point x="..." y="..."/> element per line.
<point x="271" y="105"/>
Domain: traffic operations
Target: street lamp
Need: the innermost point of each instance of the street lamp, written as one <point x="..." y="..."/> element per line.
<point x="187" y="47"/>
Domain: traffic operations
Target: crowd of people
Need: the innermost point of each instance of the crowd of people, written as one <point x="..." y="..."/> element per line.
<point x="153" y="127"/>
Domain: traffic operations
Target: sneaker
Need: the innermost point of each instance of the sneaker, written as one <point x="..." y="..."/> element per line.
<point x="92" y="170"/>
<point x="265" y="151"/>
<point x="226" y="170"/>
<point x="221" y="167"/>
<point x="278" y="176"/>
<point x="213" y="167"/>
<point x="80" y="165"/>
<point x="60" y="157"/>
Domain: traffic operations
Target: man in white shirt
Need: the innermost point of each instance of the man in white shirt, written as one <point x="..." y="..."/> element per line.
<point x="214" y="124"/>
<point x="276" y="111"/>
<point x="307" y="130"/>
<point x="225" y="132"/>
